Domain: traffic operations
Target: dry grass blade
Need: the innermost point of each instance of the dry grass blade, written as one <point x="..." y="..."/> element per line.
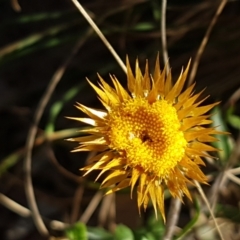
<point x="172" y="218"/>
<point x="24" y="212"/>
<point x="199" y="188"/>
<point x="61" y="169"/>
<point x="107" y="210"/>
<point x="222" y="178"/>
<point x="233" y="178"/>
<point x="234" y="98"/>
<point x="163" y="33"/>
<point x="204" y="41"/>
<point x="91" y="207"/>
<point x="76" y="203"/>
<point x="32" y="135"/>
<point x="100" y="34"/>
<point x="13" y="206"/>
<point x="15" y="5"/>
<point x="173" y="214"/>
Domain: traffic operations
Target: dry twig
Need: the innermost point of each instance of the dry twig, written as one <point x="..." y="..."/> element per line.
<point x="173" y="214"/>
<point x="32" y="135"/>
<point x="199" y="188"/>
<point x="76" y="204"/>
<point x="106" y="210"/>
<point x="163" y="33"/>
<point x="222" y="178"/>
<point x="100" y="34"/>
<point x="204" y="42"/>
<point x="24" y="212"/>
<point x="172" y="218"/>
<point x="91" y="207"/>
<point x="15" y="5"/>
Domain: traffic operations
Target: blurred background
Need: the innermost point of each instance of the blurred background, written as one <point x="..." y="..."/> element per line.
<point x="37" y="39"/>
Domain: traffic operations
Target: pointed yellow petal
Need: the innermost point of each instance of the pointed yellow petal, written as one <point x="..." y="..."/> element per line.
<point x="201" y="110"/>
<point x="130" y="77"/>
<point x="114" y="178"/>
<point x="92" y="113"/>
<point x="177" y="88"/>
<point x="153" y="94"/>
<point x="142" y="182"/>
<point x="134" y="178"/>
<point x="122" y="93"/>
<point x="97" y="148"/>
<point x="197" y="133"/>
<point x="146" y="79"/>
<point x="193" y="121"/>
<point x="83" y="139"/>
<point x="138" y="88"/>
<point x="87" y="120"/>
<point x="183" y="97"/>
<point x="190" y="101"/>
<point x="102" y="95"/>
<point x="157" y="71"/>
<point x="203" y="147"/>
<point x="160" y="201"/>
<point x="111" y="94"/>
<point x="168" y="83"/>
<point x="123" y="184"/>
<point x="152" y="195"/>
<point x="105" y="156"/>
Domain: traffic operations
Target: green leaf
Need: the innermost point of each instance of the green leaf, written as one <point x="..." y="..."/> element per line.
<point x="193" y="221"/>
<point x="77" y="232"/>
<point x="144" y="26"/>
<point x="233" y="119"/>
<point x="33" y="39"/>
<point x="10" y="161"/>
<point x="58" y="105"/>
<point x="143" y="235"/>
<point x="156" y="226"/>
<point x="152" y="230"/>
<point x="156" y="10"/>
<point x="224" y="144"/>
<point x="43" y="16"/>
<point x="229" y="212"/>
<point x="98" y="234"/>
<point x="122" y="232"/>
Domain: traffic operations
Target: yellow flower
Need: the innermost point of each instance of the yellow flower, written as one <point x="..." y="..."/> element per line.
<point x="153" y="137"/>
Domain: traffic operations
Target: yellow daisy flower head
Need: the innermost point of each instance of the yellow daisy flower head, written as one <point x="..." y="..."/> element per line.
<point x="152" y="137"/>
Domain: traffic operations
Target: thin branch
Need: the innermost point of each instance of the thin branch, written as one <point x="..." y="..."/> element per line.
<point x="222" y="178"/>
<point x="14" y="206"/>
<point x="163" y="34"/>
<point x="204" y="41"/>
<point x="105" y="209"/>
<point x="32" y="135"/>
<point x="61" y="169"/>
<point x="91" y="207"/>
<point x="235" y="171"/>
<point x="199" y="188"/>
<point x="173" y="214"/>
<point x="234" y="97"/>
<point x="100" y="34"/>
<point x="16" y="6"/>
<point x="233" y="178"/>
<point x="76" y="204"/>
<point x="112" y="214"/>
<point x="172" y="218"/>
<point x="25" y="212"/>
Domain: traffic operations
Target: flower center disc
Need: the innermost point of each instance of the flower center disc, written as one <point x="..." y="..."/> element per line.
<point x="147" y="135"/>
